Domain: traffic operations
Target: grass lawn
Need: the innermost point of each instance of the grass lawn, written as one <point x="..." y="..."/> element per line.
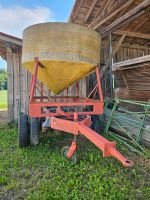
<point x="3" y="99"/>
<point x="40" y="173"/>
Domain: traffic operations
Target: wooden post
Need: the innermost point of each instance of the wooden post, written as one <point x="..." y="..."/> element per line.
<point x="16" y="67"/>
<point x="110" y="66"/>
<point x="10" y="89"/>
<point x="118" y="44"/>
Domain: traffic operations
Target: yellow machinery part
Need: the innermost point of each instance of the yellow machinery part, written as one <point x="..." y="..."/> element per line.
<point x="56" y="78"/>
<point x="68" y="52"/>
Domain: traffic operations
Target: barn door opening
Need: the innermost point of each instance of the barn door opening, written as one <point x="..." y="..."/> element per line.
<point x="3" y="89"/>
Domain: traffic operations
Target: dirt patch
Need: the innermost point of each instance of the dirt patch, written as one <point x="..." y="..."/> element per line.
<point x="3" y="116"/>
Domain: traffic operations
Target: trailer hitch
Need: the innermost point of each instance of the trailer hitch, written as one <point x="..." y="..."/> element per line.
<point x="82" y="127"/>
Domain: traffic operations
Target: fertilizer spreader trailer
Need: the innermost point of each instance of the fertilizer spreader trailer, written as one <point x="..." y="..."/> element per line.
<point x="70" y="114"/>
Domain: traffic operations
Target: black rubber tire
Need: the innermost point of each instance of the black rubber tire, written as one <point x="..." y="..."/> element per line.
<point x="23" y="131"/>
<point x="96" y="123"/>
<point x="34" y="130"/>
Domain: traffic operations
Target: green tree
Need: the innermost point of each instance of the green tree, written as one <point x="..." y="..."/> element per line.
<point x="3" y="79"/>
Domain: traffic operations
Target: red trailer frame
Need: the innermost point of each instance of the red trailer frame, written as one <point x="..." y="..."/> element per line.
<point x="35" y="106"/>
<point x="69" y="121"/>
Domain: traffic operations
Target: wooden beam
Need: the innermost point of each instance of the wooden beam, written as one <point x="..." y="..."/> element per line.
<point x="128" y="17"/>
<point x="132" y="34"/>
<point x="98" y="22"/>
<point x="90" y="10"/>
<point x="128" y="63"/>
<point x="11" y="39"/>
<point x="135" y="46"/>
<point x="75" y="10"/>
<point x="140" y="24"/>
<point x="10" y="89"/>
<point x="118" y="45"/>
<point x="114" y="26"/>
<point x="100" y="13"/>
<point x="122" y="12"/>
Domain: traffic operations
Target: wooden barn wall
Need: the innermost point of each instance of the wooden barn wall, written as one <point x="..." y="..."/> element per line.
<point x="18" y="82"/>
<point x="125" y="52"/>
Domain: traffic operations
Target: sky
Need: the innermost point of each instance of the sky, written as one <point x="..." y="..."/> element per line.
<point x="18" y="14"/>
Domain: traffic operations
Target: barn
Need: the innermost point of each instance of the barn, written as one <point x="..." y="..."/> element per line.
<point x="18" y="77"/>
<point x="124" y="27"/>
<point x="125" y="52"/>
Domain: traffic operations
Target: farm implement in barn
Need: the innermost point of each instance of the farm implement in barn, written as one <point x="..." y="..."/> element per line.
<point x="68" y="114"/>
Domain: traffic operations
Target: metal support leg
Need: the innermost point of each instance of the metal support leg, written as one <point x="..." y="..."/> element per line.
<point x="72" y="149"/>
<point x="34" y="77"/>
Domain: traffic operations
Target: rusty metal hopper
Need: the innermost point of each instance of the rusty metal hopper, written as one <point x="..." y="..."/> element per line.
<point x="67" y="52"/>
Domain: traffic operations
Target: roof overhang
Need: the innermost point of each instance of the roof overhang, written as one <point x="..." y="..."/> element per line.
<point x="119" y="17"/>
<point x="10" y="39"/>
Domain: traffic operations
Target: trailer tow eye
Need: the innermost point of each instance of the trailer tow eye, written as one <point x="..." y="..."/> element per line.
<point x="128" y="163"/>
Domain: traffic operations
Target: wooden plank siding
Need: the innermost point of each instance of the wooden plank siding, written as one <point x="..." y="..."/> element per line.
<point x="124" y="52"/>
<point x="17" y="81"/>
<point x="132" y="78"/>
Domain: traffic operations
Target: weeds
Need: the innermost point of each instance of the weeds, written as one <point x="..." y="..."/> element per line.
<point x="39" y="172"/>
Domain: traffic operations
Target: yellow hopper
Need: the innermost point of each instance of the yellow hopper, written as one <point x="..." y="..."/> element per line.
<point x="67" y="52"/>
